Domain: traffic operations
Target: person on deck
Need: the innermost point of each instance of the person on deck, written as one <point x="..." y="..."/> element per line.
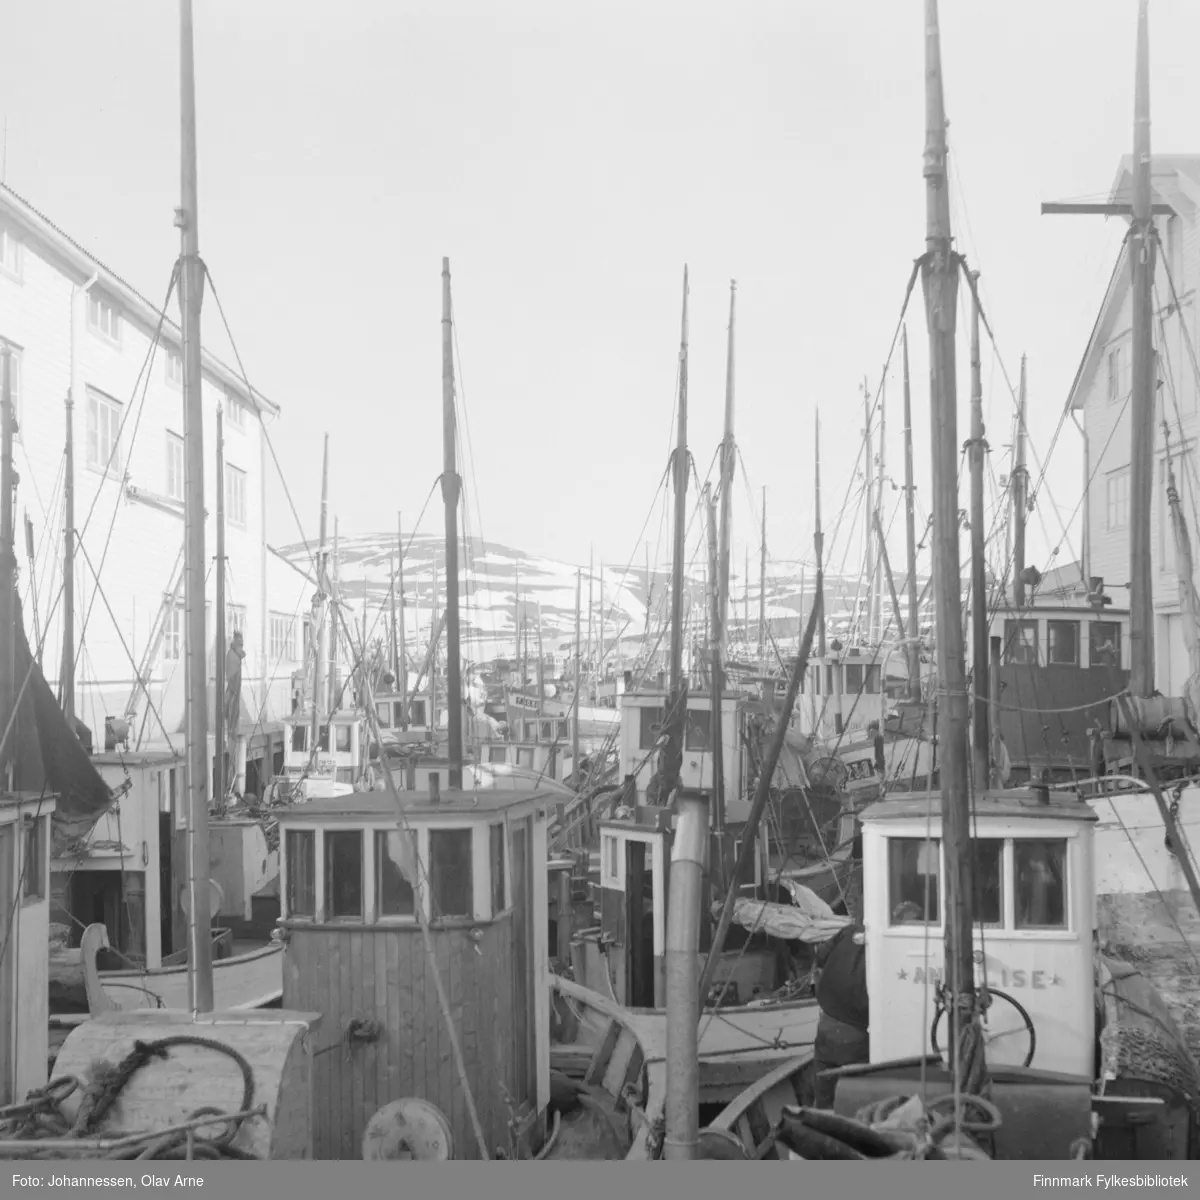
<point x="842" y="1037"/>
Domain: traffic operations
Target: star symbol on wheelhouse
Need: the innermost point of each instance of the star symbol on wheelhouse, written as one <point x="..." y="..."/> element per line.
<point x="902" y="974"/>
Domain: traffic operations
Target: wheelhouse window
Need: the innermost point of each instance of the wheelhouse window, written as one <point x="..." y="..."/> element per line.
<point x="299" y="738"/>
<point x="301" y="858"/>
<point x="1104" y="643"/>
<point x="497" y="754"/>
<point x="341" y="735"/>
<point x="1062" y="643"/>
<point x="383" y="710"/>
<point x="395" y="868"/>
<point x="450" y="872"/>
<point x="33" y="886"/>
<point x="1040" y="883"/>
<point x="343" y="874"/>
<point x="546" y="731"/>
<point x="416" y="711"/>
<point x="1021" y="642"/>
<point x="698" y="735"/>
<point x="650" y="727"/>
<point x="496" y="854"/>
<point x="862" y="677"/>
<point x="987" y="871"/>
<point x="323" y="738"/>
<point x="913" y="880"/>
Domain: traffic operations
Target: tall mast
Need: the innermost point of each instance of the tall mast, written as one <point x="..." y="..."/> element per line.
<point x="591" y="598"/>
<point x="219" y="728"/>
<point x="191" y="295"/>
<point x="575" y="705"/>
<point x="1020" y="485"/>
<point x="762" y="584"/>
<point x="518" y="625"/>
<point x="450" y="485"/>
<point x="819" y="539"/>
<point x="67" y="676"/>
<point x="649" y="591"/>
<point x="868" y="523"/>
<point x="673" y="756"/>
<point x="320" y="629"/>
<point x="910" y="539"/>
<point x="602" y="630"/>
<point x="746" y="595"/>
<point x="1142" y="401"/>
<point x="435" y="636"/>
<point x="720" y="605"/>
<point x="940" y="279"/>
<point x="335" y="599"/>
<point x="879" y="480"/>
<point x="981" y="651"/>
<point x="8" y="570"/>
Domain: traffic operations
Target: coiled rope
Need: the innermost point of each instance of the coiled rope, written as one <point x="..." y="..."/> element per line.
<point x="41" y="1119"/>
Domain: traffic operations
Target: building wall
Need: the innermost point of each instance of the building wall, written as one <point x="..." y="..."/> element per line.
<point x="130" y="518"/>
<point x="1107" y="422"/>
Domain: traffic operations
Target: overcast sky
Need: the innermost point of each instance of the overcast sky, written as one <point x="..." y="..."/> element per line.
<point x="569" y="159"/>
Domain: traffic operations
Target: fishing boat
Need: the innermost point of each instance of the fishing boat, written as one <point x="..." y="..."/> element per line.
<point x="993" y="1018"/>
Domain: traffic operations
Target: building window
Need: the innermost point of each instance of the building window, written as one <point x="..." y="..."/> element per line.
<point x="343" y="874"/>
<point x="1021" y="642"/>
<point x="14" y="378"/>
<point x="1040" y="883"/>
<point x="450" y="872"/>
<point x="301" y="853"/>
<point x="1116" y="500"/>
<point x="12" y="252"/>
<point x="173" y="633"/>
<point x="496" y="853"/>
<point x="1062" y="643"/>
<point x="987" y="870"/>
<point x="283" y="638"/>
<point x="103" y="433"/>
<point x="651" y="727"/>
<point x="235" y="619"/>
<point x="913" y="879"/>
<point x="235" y="411"/>
<point x="235" y="496"/>
<point x="174" y="466"/>
<point x="395" y="867"/>
<point x="103" y="317"/>
<point x="174" y="368"/>
<point x="1104" y="644"/>
<point x="1118" y="374"/>
<point x="33" y="885"/>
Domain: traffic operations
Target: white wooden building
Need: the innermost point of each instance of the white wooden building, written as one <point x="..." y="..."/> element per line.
<point x="1100" y="394"/>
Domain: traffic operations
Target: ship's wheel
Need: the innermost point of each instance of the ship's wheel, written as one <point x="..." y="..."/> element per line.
<point x="1009" y="1039"/>
<point x="408" y="1129"/>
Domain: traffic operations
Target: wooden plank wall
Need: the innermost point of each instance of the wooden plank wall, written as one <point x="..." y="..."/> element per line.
<point x="382" y="973"/>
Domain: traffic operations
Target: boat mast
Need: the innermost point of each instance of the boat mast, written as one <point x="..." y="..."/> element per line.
<point x="762" y="585"/>
<point x="979" y="599"/>
<point x="819" y="540"/>
<point x="591" y="595"/>
<point x="320" y="630"/>
<point x="335" y="599"/>
<point x="940" y="283"/>
<point x="910" y="539"/>
<point x="450" y="486"/>
<point x="676" y="701"/>
<point x="8" y="575"/>
<point x="518" y="626"/>
<point x="1020" y="486"/>
<point x="191" y="294"/>
<point x="575" y="705"/>
<point x="67" y="677"/>
<point x="868" y="523"/>
<point x="881" y="564"/>
<point x="219" y="658"/>
<point x="1142" y="401"/>
<point x="720" y="605"/>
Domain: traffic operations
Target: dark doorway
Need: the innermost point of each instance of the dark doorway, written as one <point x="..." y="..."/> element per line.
<point x="166" y="887"/>
<point x="639" y="910"/>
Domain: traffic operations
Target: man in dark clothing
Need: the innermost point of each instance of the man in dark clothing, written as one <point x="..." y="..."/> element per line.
<point x="842" y="1036"/>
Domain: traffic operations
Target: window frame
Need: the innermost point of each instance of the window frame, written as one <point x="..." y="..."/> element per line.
<point x="235" y="411"/>
<point x="288" y="874"/>
<point x="97" y="305"/>
<point x="175" y="449"/>
<point x="173" y="368"/>
<point x="109" y="465"/>
<point x="357" y="833"/>
<point x="1092" y="651"/>
<point x="33" y="850"/>
<point x="12" y="253"/>
<point x="377" y="913"/>
<point x="16" y="380"/>
<point x="1051" y="624"/>
<point x="432" y="869"/>
<point x="1013" y="625"/>
<point x="172" y="636"/>
<point x="283" y="644"/>
<point x="1117" y="481"/>
<point x="236" y="494"/>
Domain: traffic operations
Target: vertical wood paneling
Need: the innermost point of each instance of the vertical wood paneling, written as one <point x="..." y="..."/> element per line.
<point x="382" y="974"/>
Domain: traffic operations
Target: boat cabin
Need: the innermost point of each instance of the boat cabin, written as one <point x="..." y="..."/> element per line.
<point x="358" y="885"/>
<point x="642" y="715"/>
<point x="1034" y="912"/>
<point x="340" y="747"/>
<point x="128" y="872"/>
<point x="389" y="711"/>
<point x="625" y="955"/>
<point x="848" y="688"/>
<point x="25" y="823"/>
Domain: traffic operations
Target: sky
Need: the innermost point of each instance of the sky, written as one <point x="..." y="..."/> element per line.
<point x="569" y="160"/>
